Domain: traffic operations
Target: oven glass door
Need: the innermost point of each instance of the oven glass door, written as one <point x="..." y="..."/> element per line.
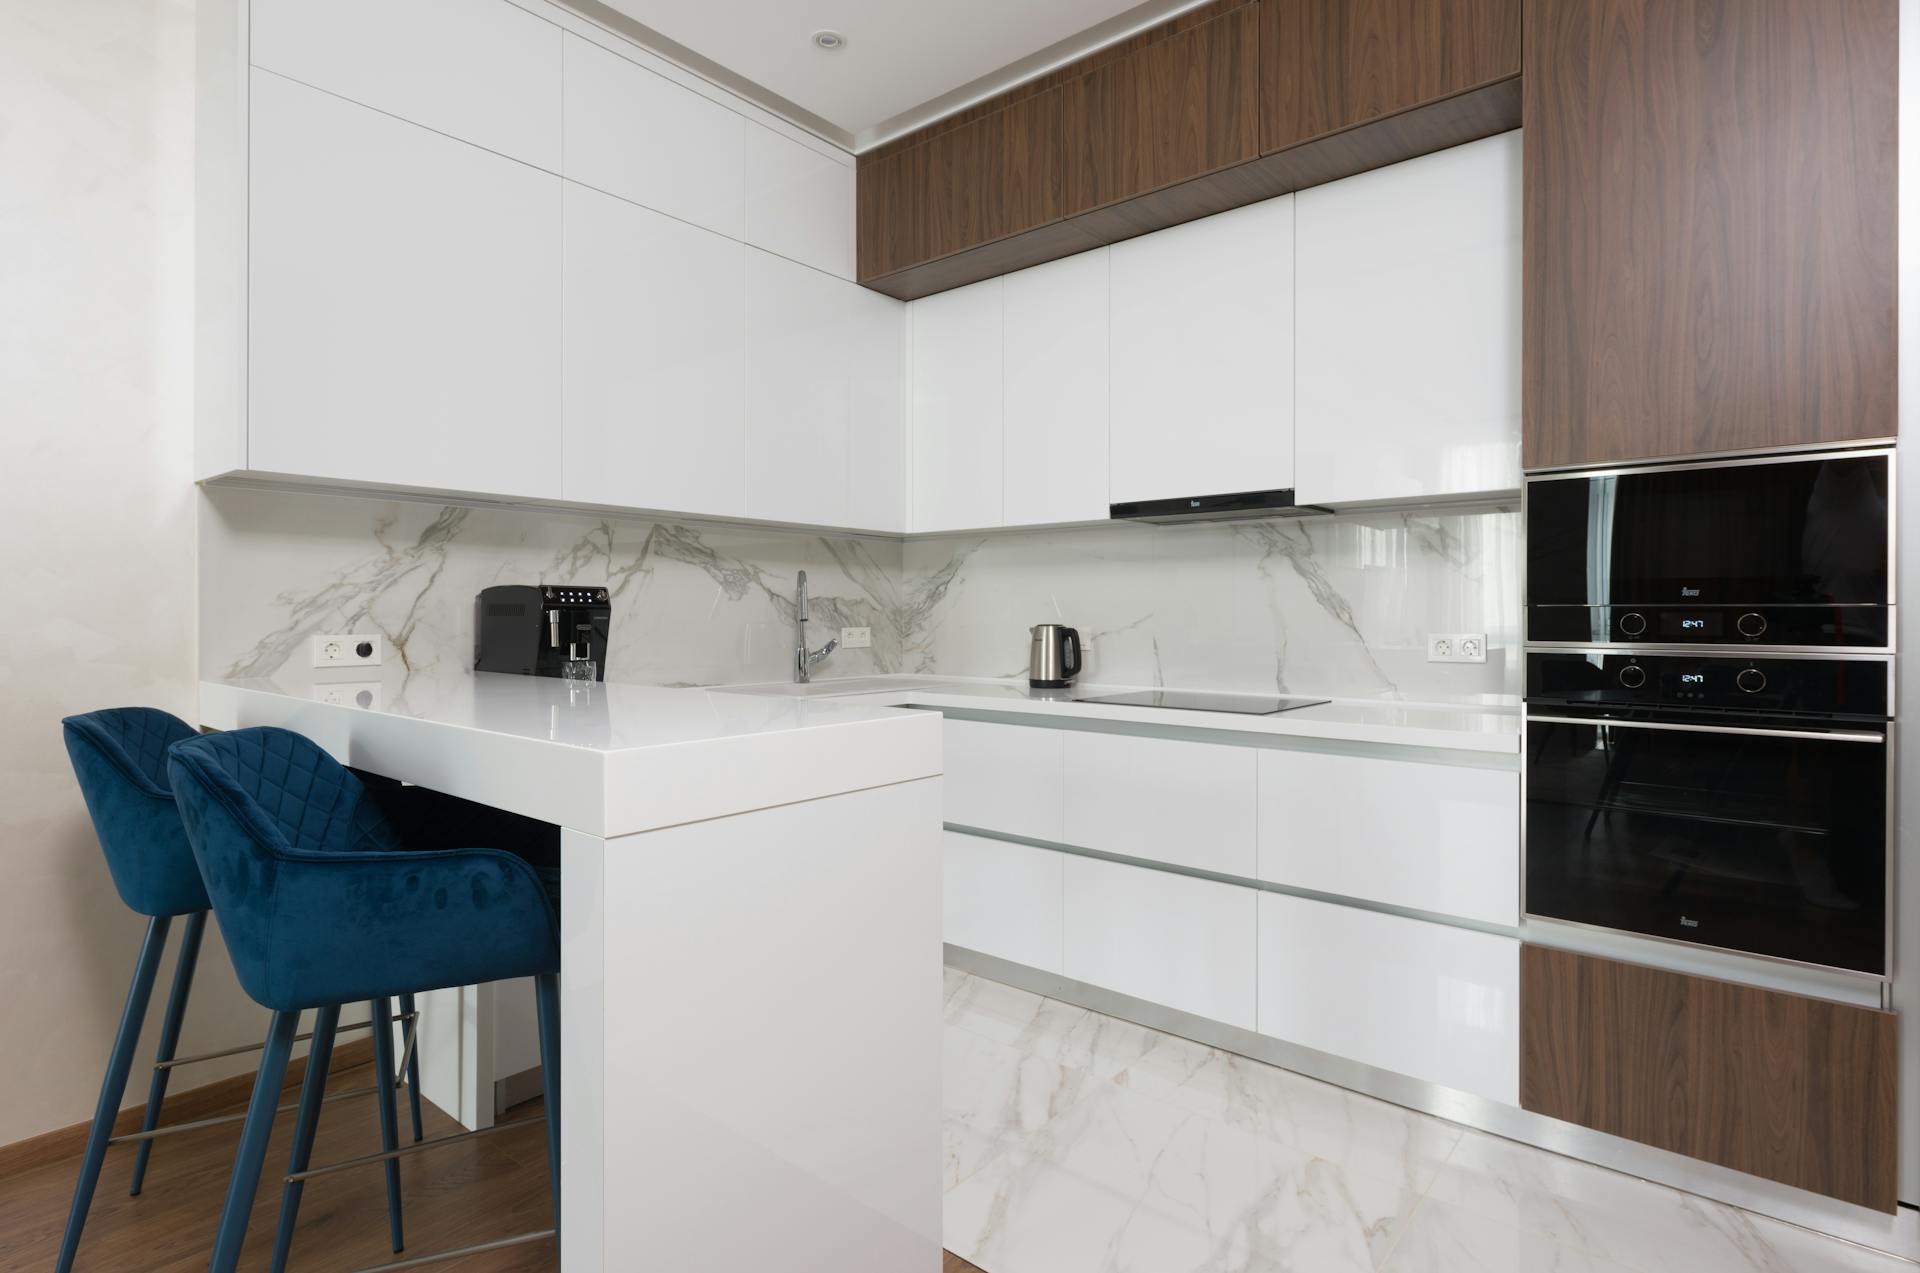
<point x="1772" y="842"/>
<point x="1788" y="532"/>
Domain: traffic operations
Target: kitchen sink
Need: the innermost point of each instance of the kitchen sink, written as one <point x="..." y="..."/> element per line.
<point x="845" y="685"/>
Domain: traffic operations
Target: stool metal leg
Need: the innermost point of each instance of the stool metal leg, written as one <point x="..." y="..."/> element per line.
<point x="306" y="1122"/>
<point x="253" y="1143"/>
<point x="114" y="1085"/>
<point x="546" y="992"/>
<point x="183" y="968"/>
<point x="389" y="1114"/>
<point x="413" y="1064"/>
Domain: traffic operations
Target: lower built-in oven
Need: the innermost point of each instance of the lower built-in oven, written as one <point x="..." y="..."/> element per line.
<point x="1716" y="799"/>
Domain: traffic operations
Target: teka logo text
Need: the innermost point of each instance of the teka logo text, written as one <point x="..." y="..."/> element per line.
<point x="1689" y="592"/>
<point x="1689" y="923"/>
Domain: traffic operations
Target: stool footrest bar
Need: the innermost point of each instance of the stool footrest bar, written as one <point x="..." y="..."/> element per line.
<point x="498" y="1244"/>
<point x="367" y="1160"/>
<point x="255" y="1047"/>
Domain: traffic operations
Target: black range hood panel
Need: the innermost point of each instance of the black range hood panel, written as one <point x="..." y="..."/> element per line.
<point x="1242" y="506"/>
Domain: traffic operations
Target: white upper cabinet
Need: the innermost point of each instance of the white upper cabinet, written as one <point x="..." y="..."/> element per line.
<point x="655" y="352"/>
<point x="1054" y="432"/>
<point x="1202" y="378"/>
<point x="1409" y="329"/>
<point x="877" y="412"/>
<point x="799" y="202"/>
<point x="955" y="420"/>
<point x="825" y="409"/>
<point x="484" y="71"/>
<point x="404" y="302"/>
<point x="643" y="137"/>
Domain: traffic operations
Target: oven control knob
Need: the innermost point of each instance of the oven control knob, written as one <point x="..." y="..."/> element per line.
<point x="1633" y="676"/>
<point x="1751" y="679"/>
<point x="1633" y="623"/>
<point x="1751" y="625"/>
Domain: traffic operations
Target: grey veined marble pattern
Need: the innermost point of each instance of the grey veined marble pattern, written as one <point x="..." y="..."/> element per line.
<point x="697" y="605"/>
<point x="1331" y="605"/>
<point x="1078" y="1143"/>
<point x="1327" y="605"/>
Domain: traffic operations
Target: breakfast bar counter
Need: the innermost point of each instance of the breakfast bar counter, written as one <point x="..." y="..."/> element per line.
<point x="717" y="850"/>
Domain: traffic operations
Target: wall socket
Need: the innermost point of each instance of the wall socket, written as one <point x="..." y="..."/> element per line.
<point x="349" y="694"/>
<point x="347" y="650"/>
<point x="1456" y="647"/>
<point x="855" y="638"/>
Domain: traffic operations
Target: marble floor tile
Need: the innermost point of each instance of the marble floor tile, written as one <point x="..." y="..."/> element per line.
<point x="1078" y="1143"/>
<point x="995" y="1096"/>
<point x="1644" y="1226"/>
<point x="1441" y="1238"/>
<point x="1124" y="1182"/>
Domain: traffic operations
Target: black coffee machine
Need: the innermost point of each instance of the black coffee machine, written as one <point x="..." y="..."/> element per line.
<point x="530" y="628"/>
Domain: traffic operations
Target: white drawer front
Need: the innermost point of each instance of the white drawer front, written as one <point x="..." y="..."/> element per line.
<point x="1003" y="899"/>
<point x="1170" y="939"/>
<point x="1190" y="804"/>
<point x="1425" y="1000"/>
<point x="1442" y="838"/>
<point x="1004" y="778"/>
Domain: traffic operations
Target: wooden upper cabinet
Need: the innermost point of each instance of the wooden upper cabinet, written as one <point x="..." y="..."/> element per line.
<point x="992" y="176"/>
<point x="1183" y="105"/>
<point x="1328" y="65"/>
<point x="1710" y="226"/>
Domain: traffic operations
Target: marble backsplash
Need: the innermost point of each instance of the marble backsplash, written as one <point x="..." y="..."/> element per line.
<point x="1327" y="605"/>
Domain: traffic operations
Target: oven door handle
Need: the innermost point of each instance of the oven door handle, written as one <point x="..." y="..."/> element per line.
<point x="1833" y="735"/>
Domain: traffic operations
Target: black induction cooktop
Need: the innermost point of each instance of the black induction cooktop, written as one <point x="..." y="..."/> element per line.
<point x="1201" y="701"/>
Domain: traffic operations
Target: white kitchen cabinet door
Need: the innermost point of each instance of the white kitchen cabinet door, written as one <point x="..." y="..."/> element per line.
<point x="798" y="365"/>
<point x="643" y="137"/>
<point x="1409" y="329"/>
<point x="877" y="412"/>
<point x="1003" y="899"/>
<point x="1055" y="425"/>
<point x="1425" y="1000"/>
<point x="799" y="202"/>
<point x="485" y="71"/>
<point x="404" y="302"/>
<point x="1202" y="379"/>
<point x="1005" y="778"/>
<point x="1190" y="804"/>
<point x="655" y="352"/>
<point x="1169" y="939"/>
<point x="955" y="423"/>
<point x="1441" y="838"/>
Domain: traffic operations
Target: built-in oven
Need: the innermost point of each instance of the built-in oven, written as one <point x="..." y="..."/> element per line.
<point x="1736" y="802"/>
<point x="1709" y="705"/>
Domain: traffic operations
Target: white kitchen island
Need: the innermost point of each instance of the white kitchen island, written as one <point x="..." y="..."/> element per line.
<point x="750" y="952"/>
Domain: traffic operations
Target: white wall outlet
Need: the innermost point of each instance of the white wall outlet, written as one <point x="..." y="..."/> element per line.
<point x="1456" y="647"/>
<point x="349" y="694"/>
<point x="347" y="650"/>
<point x="855" y="638"/>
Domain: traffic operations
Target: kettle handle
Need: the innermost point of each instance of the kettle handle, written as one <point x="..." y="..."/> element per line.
<point x="1072" y="638"/>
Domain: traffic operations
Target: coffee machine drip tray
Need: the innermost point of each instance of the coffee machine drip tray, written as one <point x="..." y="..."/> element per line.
<point x="1202" y="701"/>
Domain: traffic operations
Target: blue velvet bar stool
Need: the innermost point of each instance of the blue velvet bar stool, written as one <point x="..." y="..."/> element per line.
<point x="119" y="757"/>
<point x="312" y="922"/>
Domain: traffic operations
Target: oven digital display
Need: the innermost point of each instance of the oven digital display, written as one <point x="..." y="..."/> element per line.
<point x="1679" y="623"/>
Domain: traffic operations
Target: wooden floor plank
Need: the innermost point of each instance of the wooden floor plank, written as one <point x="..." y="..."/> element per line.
<point x="487" y="1188"/>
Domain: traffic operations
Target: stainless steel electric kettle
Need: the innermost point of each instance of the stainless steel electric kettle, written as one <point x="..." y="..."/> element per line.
<point x="1054" y="659"/>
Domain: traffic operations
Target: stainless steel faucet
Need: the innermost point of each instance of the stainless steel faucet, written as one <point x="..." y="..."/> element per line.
<point x="803" y="658"/>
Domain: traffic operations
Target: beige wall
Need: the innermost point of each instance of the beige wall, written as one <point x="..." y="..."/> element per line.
<point x="97" y="519"/>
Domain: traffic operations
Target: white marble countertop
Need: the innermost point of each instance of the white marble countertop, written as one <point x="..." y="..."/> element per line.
<point x="606" y="759"/>
<point x="1470" y="726"/>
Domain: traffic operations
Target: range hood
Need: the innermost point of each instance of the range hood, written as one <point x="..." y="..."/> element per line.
<point x="1243" y="506"/>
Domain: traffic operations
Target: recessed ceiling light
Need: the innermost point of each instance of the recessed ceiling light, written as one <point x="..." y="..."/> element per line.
<point x="832" y="41"/>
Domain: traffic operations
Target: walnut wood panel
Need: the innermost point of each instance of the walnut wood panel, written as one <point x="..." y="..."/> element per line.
<point x="1710" y="226"/>
<point x="1172" y="110"/>
<point x="1795" y="1089"/>
<point x="1327" y="65"/>
<point x="998" y="175"/>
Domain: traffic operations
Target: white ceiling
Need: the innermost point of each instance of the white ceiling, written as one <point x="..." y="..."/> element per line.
<point x="905" y="63"/>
